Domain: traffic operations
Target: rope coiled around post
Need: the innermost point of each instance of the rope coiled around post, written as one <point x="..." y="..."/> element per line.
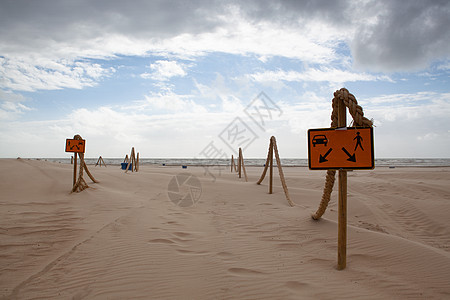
<point x="357" y="114"/>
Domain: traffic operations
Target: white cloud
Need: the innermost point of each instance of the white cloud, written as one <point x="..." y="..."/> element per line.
<point x="412" y="99"/>
<point x="9" y="96"/>
<point x="31" y="75"/>
<point x="167" y="101"/>
<point x="11" y="110"/>
<point x="318" y="75"/>
<point x="164" y="70"/>
<point x="383" y="35"/>
<point x="48" y="56"/>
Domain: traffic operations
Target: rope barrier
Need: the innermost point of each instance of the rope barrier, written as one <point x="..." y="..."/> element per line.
<point x="81" y="184"/>
<point x="233" y="165"/>
<point x="241" y="165"/>
<point x="357" y="114"/>
<point x="100" y="161"/>
<point x="273" y="149"/>
<point x="132" y="161"/>
<point x="266" y="166"/>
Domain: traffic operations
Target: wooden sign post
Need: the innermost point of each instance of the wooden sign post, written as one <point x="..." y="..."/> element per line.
<point x="78" y="145"/>
<point x="342" y="200"/>
<point x="341" y="148"/>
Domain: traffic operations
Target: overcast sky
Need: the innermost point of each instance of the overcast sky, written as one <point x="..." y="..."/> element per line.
<point x="201" y="78"/>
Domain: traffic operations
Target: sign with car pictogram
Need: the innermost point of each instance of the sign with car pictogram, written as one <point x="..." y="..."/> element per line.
<point x="341" y="148"/>
<point x="77" y="146"/>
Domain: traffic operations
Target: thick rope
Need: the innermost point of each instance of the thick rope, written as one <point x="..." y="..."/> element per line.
<point x="233" y="164"/>
<point x="81" y="183"/>
<point x="280" y="171"/>
<point x="137" y="163"/>
<point x="131" y="161"/>
<point x="242" y="164"/>
<point x="100" y="161"/>
<point x="269" y="153"/>
<point x="357" y="114"/>
<point x="87" y="171"/>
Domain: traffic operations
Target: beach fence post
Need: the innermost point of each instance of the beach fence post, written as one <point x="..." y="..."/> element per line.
<point x="241" y="165"/>
<point x="271" y="166"/>
<point x="74" y="169"/>
<point x="100" y="161"/>
<point x="77" y="145"/>
<point x="233" y="164"/>
<point x="342" y="100"/>
<point x="132" y="161"/>
<point x="342" y="198"/>
<point x="137" y="162"/>
<point x="273" y="149"/>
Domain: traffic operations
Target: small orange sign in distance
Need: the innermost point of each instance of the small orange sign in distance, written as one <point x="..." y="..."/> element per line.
<point x="341" y="148"/>
<point x="75" y="145"/>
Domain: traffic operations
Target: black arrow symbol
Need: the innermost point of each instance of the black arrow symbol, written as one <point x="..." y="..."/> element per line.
<point x="324" y="158"/>
<point x="350" y="157"/>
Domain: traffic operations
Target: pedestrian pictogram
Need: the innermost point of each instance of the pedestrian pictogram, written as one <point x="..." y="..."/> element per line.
<point x="77" y="146"/>
<point x="340" y="148"/>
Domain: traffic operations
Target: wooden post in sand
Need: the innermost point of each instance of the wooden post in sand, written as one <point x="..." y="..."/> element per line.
<point x="233" y="164"/>
<point x="132" y="161"/>
<point x="100" y="161"/>
<point x="271" y="167"/>
<point x="77" y="145"/>
<point x="241" y="165"/>
<point x="137" y="162"/>
<point x="273" y="149"/>
<point x="74" y="169"/>
<point x="342" y="200"/>
<point x="342" y="100"/>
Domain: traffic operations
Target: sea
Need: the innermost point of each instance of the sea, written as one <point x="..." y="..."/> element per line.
<point x="287" y="162"/>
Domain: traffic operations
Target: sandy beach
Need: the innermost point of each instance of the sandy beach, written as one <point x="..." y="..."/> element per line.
<point x="123" y="238"/>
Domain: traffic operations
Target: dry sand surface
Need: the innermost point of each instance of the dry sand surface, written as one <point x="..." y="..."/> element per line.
<point x="123" y="238"/>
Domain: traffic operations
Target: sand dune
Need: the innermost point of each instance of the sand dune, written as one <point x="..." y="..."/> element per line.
<point x="123" y="238"/>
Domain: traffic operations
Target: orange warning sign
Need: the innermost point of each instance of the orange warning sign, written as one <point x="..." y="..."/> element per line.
<point x="75" y="145"/>
<point x="340" y="148"/>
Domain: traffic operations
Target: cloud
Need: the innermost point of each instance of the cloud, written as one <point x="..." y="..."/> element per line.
<point x="11" y="110"/>
<point x="51" y="51"/>
<point x="403" y="36"/>
<point x="322" y="74"/>
<point x="10" y="96"/>
<point x="41" y="74"/>
<point x="167" y="101"/>
<point x="164" y="70"/>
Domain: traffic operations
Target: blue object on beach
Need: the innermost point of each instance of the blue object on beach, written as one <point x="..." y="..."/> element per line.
<point x="124" y="166"/>
<point x="184" y="167"/>
<point x="164" y="164"/>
